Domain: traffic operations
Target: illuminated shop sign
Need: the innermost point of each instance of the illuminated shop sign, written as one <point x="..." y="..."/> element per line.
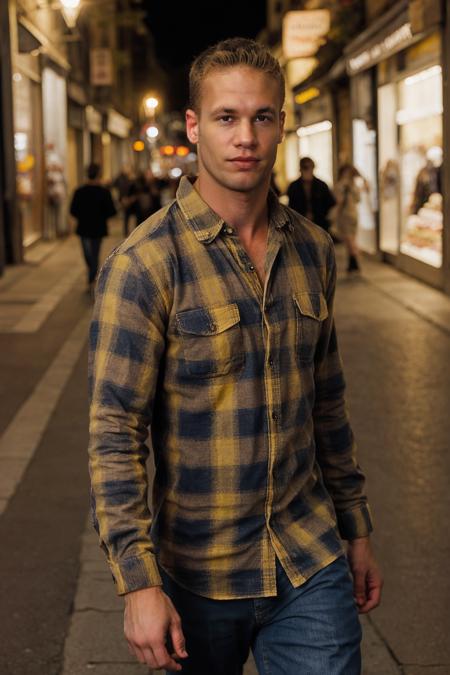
<point x="381" y="50"/>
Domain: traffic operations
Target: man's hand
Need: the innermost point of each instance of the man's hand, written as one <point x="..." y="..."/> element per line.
<point x="367" y="579"/>
<point x="150" y="619"/>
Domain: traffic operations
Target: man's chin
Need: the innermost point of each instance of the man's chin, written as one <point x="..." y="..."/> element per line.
<point x="246" y="183"/>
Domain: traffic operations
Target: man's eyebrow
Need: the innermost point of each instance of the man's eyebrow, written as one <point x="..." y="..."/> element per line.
<point x="231" y="111"/>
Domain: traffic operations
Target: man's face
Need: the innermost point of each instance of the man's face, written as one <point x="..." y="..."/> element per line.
<point x="307" y="171"/>
<point x="237" y="128"/>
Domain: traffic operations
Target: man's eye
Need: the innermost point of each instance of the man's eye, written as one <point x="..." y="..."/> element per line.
<point x="262" y="118"/>
<point x="226" y="119"/>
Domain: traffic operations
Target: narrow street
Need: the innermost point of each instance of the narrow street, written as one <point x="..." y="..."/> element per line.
<point x="58" y="610"/>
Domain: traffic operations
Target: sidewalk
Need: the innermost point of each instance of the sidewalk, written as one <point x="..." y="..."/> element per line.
<point x="384" y="318"/>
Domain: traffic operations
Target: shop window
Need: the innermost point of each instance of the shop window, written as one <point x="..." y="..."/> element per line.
<point x="419" y="119"/>
<point x="316" y="141"/>
<point x="389" y="171"/>
<point x="28" y="165"/>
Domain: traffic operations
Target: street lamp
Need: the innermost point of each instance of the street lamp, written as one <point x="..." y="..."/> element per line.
<point x="152" y="132"/>
<point x="150" y="105"/>
<point x="70" y="10"/>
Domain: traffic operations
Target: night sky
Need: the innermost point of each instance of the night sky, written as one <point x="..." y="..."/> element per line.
<point x="183" y="29"/>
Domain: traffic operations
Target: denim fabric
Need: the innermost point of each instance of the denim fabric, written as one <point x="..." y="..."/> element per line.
<point x="91" y="251"/>
<point x="310" y="630"/>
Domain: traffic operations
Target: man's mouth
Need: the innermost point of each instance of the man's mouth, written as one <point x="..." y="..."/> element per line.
<point x="244" y="162"/>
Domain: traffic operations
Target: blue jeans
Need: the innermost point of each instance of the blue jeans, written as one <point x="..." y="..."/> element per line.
<point x="91" y="252"/>
<point x="310" y="630"/>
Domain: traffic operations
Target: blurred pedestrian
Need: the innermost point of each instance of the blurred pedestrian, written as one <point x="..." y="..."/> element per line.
<point x="310" y="196"/>
<point x="144" y="196"/>
<point x="91" y="206"/>
<point x="56" y="193"/>
<point x="345" y="214"/>
<point x="214" y="327"/>
<point x="122" y="183"/>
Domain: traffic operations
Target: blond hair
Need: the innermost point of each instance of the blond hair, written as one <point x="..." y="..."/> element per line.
<point x="228" y="54"/>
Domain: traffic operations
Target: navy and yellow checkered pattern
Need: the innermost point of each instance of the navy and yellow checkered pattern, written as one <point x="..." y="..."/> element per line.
<point x="242" y="390"/>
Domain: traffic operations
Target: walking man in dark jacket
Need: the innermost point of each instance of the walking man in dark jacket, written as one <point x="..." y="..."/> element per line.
<point x="310" y="196"/>
<point x="92" y="205"/>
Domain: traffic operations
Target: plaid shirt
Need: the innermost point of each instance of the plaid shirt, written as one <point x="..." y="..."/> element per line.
<point x="242" y="389"/>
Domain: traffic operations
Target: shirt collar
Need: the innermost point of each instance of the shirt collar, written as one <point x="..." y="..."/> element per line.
<point x="207" y="224"/>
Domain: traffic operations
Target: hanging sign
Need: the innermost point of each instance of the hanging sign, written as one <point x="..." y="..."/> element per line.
<point x="101" y="67"/>
<point x="304" y="32"/>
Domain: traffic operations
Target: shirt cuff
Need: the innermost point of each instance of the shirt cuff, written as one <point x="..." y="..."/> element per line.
<point x="135" y="572"/>
<point x="355" y="523"/>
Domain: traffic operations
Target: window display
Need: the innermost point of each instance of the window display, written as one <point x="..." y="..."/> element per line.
<point x="410" y="159"/>
<point x="27" y="161"/>
<point x="420" y="122"/>
<point x="364" y="158"/>
<point x="316" y="141"/>
<point x="389" y="173"/>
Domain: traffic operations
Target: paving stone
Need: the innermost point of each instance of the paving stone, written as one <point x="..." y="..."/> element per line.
<point x="96" y="591"/>
<point x="108" y="669"/>
<point x="11" y="471"/>
<point x="95" y="637"/>
<point x="3" y="504"/>
<point x="376" y="657"/>
<point x="427" y="670"/>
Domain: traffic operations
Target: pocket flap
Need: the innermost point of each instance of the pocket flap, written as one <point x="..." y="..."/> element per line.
<point x="208" y="320"/>
<point x="313" y="305"/>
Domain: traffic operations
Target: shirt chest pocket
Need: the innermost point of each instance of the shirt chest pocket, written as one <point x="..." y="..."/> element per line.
<point x="211" y="341"/>
<point x="311" y="310"/>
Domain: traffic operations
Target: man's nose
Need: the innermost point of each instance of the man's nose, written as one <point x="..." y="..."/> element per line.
<point x="246" y="134"/>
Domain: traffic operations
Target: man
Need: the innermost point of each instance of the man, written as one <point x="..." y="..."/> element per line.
<point x="123" y="184"/>
<point x="214" y="327"/>
<point x="311" y="196"/>
<point x="92" y="206"/>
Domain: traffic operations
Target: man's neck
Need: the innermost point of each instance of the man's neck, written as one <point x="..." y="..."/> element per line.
<point x="245" y="211"/>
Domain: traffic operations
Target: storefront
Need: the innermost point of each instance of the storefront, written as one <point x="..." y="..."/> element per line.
<point x="76" y="137"/>
<point x="315" y="135"/>
<point x="94" y="124"/>
<point x="54" y="105"/>
<point x="27" y="118"/>
<point x="28" y="154"/>
<point x="119" y="128"/>
<point x="397" y="111"/>
<point x="364" y="144"/>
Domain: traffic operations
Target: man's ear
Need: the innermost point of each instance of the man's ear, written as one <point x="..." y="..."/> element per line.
<point x="192" y="126"/>
<point x="282" y="121"/>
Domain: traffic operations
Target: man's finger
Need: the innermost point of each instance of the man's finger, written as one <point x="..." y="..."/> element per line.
<point x="164" y="660"/>
<point x="359" y="587"/>
<point x="137" y="652"/>
<point x="149" y="657"/>
<point x="178" y="641"/>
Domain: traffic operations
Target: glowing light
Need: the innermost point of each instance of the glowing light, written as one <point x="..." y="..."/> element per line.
<point x="70" y="4"/>
<point x="434" y="71"/>
<point x="152" y="132"/>
<point x="182" y="151"/>
<point x="307" y="95"/>
<point x="151" y="102"/>
<point x="175" y="172"/>
<point x="167" y="150"/>
<point x="314" y="129"/>
<point x="138" y="146"/>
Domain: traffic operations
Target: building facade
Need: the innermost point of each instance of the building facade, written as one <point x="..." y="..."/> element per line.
<point x="62" y="101"/>
<point x="384" y="105"/>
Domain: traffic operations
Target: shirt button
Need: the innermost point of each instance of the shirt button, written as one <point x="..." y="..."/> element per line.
<point x="270" y="361"/>
<point x="274" y="416"/>
<point x="251" y="268"/>
<point x="229" y="230"/>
